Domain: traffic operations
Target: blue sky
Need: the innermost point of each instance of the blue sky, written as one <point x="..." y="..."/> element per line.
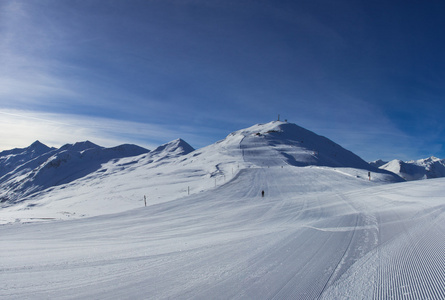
<point x="367" y="74"/>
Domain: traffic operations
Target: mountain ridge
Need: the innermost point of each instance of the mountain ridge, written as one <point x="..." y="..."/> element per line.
<point x="37" y="167"/>
<point x="309" y="148"/>
<point x="271" y="144"/>
<point x="426" y="168"/>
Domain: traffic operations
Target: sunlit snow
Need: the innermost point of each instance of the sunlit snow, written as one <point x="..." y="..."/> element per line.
<point x="329" y="226"/>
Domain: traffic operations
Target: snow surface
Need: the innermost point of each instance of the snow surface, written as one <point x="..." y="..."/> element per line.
<point x="431" y="167"/>
<point x="322" y="231"/>
<point x="29" y="170"/>
<point x="378" y="163"/>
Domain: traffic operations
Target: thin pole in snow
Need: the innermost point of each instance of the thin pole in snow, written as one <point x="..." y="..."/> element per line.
<point x="145" y="200"/>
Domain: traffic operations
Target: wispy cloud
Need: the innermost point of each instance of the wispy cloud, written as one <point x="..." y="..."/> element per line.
<point x="21" y="128"/>
<point x="29" y="72"/>
<point x="50" y="61"/>
<point x="151" y="71"/>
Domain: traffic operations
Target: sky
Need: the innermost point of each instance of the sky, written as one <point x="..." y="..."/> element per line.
<point x="368" y="75"/>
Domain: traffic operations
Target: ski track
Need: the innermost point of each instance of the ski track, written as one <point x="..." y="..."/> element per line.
<point x="416" y="268"/>
<point x="308" y="238"/>
<point x="407" y="262"/>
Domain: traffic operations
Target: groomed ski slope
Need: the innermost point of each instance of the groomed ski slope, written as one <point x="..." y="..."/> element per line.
<point x="317" y="234"/>
<point x="320" y="232"/>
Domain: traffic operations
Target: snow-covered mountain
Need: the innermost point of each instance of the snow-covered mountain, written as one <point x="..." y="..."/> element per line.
<point x="174" y="223"/>
<point x="128" y="172"/>
<point x="10" y="159"/>
<point x="378" y="163"/>
<point x="431" y="167"/>
<point x="37" y="167"/>
<point x="175" y="148"/>
<point x="278" y="143"/>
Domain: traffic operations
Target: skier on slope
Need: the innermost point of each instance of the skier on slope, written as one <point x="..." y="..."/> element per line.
<point x="262" y="193"/>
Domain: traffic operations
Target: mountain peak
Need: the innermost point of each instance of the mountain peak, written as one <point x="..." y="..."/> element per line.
<point x="183" y="145"/>
<point x="86" y="144"/>
<point x="378" y="163"/>
<point x="282" y="142"/>
<point x="36" y="144"/>
<point x="430" y="159"/>
<point x="431" y="167"/>
<point x="261" y="129"/>
<point x="176" y="147"/>
<point x="80" y="146"/>
<point x="35" y="148"/>
<point x="128" y="150"/>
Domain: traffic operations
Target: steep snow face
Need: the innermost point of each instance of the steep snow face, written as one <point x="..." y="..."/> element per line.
<point x="378" y="163"/>
<point x="431" y="167"/>
<point x="116" y="185"/>
<point x="35" y="148"/>
<point x="11" y="159"/>
<point x="172" y="149"/>
<point x="278" y="143"/>
<point x="80" y="146"/>
<point x="166" y="153"/>
<point x="41" y="167"/>
<point x="80" y="160"/>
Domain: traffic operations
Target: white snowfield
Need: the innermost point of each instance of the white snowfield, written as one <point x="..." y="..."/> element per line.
<point x="321" y="231"/>
<point x="431" y="167"/>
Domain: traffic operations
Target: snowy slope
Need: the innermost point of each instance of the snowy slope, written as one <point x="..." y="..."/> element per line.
<point x="294" y="145"/>
<point x="173" y="170"/>
<point x="316" y="234"/>
<point x="173" y="149"/>
<point x="26" y="171"/>
<point x="323" y="230"/>
<point x="281" y="143"/>
<point x="378" y="163"/>
<point x="112" y="186"/>
<point x="10" y="159"/>
<point x="431" y="167"/>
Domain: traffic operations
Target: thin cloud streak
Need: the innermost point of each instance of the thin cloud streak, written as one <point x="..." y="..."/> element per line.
<point x="199" y="70"/>
<point x="28" y="116"/>
<point x="29" y="74"/>
<point x="24" y="127"/>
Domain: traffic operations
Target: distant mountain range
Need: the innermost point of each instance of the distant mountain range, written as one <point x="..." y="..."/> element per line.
<point x="431" y="167"/>
<point x="26" y="171"/>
